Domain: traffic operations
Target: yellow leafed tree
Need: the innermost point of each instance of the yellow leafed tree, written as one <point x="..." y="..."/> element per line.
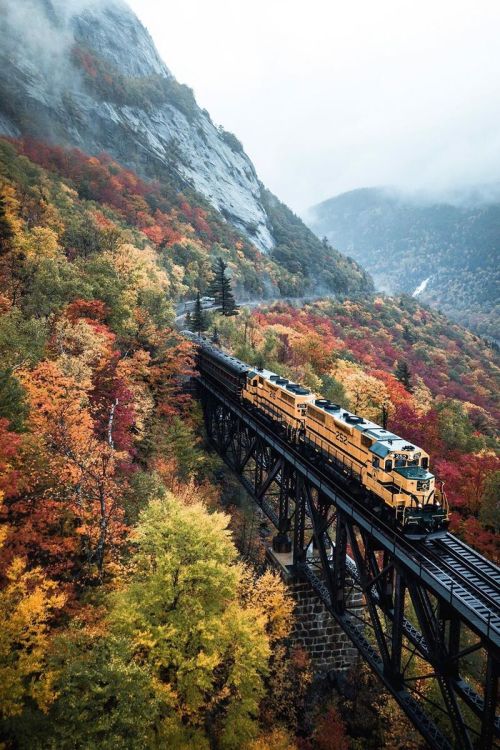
<point x="366" y="394"/>
<point x="28" y="602"/>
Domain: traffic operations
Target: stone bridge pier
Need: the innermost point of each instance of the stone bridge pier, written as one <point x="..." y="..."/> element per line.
<point x="315" y="630"/>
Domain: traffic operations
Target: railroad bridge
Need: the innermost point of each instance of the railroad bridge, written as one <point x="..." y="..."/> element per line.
<point x="429" y="626"/>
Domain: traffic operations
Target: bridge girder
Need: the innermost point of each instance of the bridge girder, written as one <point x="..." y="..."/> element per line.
<point x="417" y="641"/>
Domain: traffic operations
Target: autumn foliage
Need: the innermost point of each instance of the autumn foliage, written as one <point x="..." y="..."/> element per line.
<point x="351" y="352"/>
<point x="126" y="618"/>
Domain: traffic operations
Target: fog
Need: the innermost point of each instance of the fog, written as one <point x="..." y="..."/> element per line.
<point x="330" y="95"/>
<point x="43" y="27"/>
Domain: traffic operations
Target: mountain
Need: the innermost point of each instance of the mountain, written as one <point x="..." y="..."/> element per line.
<point x="86" y="74"/>
<point x="445" y="251"/>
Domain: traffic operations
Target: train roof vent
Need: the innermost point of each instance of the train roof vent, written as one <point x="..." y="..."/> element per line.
<point x="355" y="420"/>
<point x="321" y="402"/>
<point x="332" y="407"/>
<point x="292" y="386"/>
<point x="281" y="381"/>
<point x="408" y="447"/>
<point x="274" y="377"/>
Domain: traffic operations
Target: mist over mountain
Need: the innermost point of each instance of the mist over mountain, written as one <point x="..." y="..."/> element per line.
<point x="86" y="74"/>
<point x="442" y="248"/>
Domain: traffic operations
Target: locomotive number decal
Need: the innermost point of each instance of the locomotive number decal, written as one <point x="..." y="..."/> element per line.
<point x="341" y="437"/>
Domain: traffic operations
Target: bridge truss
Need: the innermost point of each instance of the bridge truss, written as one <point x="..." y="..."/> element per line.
<point x="430" y="624"/>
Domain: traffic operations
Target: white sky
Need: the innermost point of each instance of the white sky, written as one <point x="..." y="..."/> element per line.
<point x="330" y="95"/>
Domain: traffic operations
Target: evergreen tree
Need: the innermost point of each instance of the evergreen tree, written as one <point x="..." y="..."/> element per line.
<point x="489" y="512"/>
<point x="188" y="320"/>
<point x="215" y="336"/>
<point x="199" y="320"/>
<point x="12" y="401"/>
<point x="220" y="289"/>
<point x="6" y="231"/>
<point x="403" y="374"/>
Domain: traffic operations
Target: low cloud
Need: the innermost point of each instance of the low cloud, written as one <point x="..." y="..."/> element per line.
<point x="331" y="95"/>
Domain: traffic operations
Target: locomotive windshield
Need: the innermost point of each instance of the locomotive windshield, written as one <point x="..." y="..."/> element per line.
<point x="401" y="460"/>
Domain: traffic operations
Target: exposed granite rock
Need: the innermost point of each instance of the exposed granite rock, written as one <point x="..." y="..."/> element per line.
<point x="50" y="89"/>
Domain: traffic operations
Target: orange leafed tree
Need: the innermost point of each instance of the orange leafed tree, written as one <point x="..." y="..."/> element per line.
<point x="68" y="514"/>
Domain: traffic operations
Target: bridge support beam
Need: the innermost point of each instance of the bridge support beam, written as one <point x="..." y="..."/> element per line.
<point x="420" y="619"/>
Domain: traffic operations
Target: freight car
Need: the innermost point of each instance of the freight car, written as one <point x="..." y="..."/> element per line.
<point x="391" y="472"/>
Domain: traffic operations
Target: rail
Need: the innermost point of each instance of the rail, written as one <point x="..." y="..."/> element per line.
<point x="449" y="584"/>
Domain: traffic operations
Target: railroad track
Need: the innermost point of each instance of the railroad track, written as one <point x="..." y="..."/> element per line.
<point x="454" y="571"/>
<point x="481" y="568"/>
<point x="473" y="579"/>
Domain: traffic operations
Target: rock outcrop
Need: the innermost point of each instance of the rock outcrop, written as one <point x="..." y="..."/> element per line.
<point x="87" y="74"/>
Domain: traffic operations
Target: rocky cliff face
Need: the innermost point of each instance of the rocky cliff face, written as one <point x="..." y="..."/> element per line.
<point x="86" y="74"/>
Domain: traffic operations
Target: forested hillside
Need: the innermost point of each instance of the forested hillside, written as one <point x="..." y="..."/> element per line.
<point x="108" y="493"/>
<point x="449" y="251"/>
<point x="126" y="614"/>
<point x="102" y="199"/>
<point x="134" y="611"/>
<point x="136" y="608"/>
<point x="87" y="75"/>
<point x="437" y="383"/>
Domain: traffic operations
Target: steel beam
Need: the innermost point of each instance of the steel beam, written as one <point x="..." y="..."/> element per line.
<point x="412" y="609"/>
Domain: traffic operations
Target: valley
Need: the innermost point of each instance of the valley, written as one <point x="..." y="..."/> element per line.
<point x="141" y="607"/>
<point x="445" y="251"/>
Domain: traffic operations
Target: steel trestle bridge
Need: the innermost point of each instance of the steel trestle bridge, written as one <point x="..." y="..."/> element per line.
<point x="430" y="624"/>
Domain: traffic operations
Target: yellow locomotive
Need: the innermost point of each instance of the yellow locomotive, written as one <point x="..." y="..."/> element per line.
<point x="387" y="466"/>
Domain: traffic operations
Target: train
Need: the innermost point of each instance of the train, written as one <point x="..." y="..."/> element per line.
<point x="385" y="471"/>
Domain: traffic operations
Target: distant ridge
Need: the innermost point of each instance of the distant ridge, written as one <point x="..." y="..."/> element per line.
<point x="444" y="250"/>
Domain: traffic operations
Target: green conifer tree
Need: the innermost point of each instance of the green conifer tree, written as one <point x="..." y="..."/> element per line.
<point x="6" y="231"/>
<point x="403" y="374"/>
<point x="220" y="289"/>
<point x="199" y="320"/>
<point x="12" y="401"/>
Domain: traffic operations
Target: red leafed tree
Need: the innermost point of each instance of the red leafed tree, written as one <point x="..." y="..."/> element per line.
<point x="9" y="448"/>
<point x="89" y="310"/>
<point x="423" y="430"/>
<point x="330" y="732"/>
<point x="172" y="364"/>
<point x="397" y="392"/>
<point x="112" y="406"/>
<point x="465" y="476"/>
<point x="155" y="233"/>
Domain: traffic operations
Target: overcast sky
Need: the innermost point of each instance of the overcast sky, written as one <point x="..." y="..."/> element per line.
<point x="330" y="95"/>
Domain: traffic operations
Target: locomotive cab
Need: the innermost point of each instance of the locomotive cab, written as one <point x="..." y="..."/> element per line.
<point x="403" y="471"/>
